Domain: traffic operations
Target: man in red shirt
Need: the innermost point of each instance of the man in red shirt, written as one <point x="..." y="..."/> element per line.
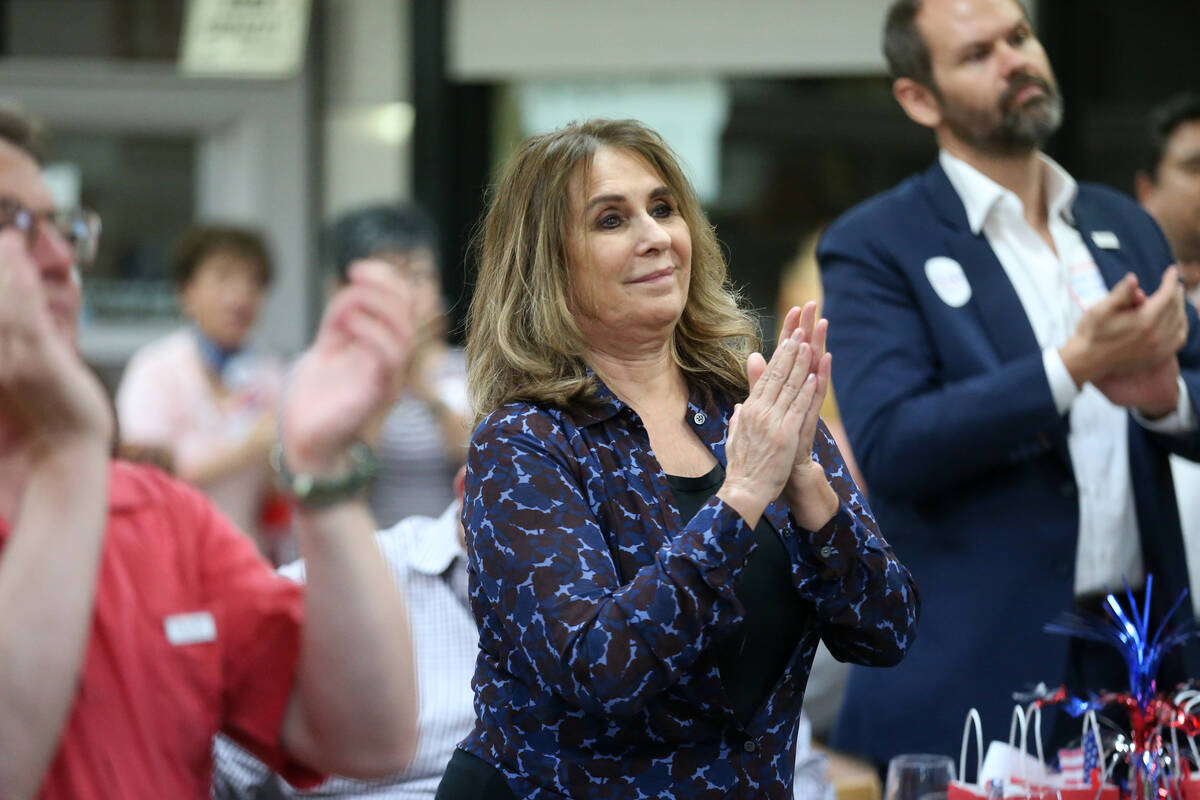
<point x="135" y="622"/>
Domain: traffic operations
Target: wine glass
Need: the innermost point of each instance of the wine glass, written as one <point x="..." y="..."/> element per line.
<point x="918" y="776"/>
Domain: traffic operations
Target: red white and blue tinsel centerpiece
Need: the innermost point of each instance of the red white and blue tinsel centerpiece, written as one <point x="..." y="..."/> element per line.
<point x="1158" y="769"/>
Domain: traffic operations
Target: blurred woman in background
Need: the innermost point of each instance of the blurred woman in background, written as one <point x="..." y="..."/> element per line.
<point x="422" y="441"/>
<point x="202" y="396"/>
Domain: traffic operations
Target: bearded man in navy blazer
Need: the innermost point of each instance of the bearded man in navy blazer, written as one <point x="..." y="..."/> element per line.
<point x="1014" y="363"/>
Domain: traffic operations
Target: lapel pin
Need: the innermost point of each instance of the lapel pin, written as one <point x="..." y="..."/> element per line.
<point x="1106" y="240"/>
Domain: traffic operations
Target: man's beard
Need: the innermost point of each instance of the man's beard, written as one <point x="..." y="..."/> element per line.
<point x="1010" y="129"/>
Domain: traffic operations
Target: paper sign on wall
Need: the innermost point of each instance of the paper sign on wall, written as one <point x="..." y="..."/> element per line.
<point x="246" y="38"/>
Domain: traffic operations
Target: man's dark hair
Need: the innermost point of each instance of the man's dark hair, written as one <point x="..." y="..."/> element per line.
<point x="1165" y="119"/>
<point x="379" y="229"/>
<point x="904" y="47"/>
<point x="22" y="130"/>
<point x="201" y="241"/>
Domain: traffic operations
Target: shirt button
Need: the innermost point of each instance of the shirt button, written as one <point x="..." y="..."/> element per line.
<point x="749" y="746"/>
<point x="699" y="419"/>
<point x="826" y="552"/>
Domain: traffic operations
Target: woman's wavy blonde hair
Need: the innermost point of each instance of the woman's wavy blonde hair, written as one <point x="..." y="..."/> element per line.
<point x="522" y="340"/>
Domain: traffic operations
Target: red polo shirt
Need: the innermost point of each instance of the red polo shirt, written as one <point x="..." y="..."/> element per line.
<point x="192" y="633"/>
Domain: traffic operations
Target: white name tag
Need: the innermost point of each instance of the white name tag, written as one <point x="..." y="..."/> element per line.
<point x="1106" y="240"/>
<point x="1086" y="283"/>
<point x="194" y="628"/>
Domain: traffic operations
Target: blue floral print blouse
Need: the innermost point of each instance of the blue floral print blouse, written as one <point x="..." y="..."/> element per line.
<point x="598" y="609"/>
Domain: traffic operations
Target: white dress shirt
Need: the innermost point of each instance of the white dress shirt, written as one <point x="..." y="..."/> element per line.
<point x="1055" y="285"/>
<point x="426" y="556"/>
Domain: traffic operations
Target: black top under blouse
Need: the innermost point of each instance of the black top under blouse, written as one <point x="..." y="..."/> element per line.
<point x="754" y="656"/>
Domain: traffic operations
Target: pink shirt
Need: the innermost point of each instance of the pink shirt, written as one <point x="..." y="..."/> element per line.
<point x="166" y="400"/>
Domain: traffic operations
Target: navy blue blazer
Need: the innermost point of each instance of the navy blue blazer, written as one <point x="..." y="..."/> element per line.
<point x="965" y="456"/>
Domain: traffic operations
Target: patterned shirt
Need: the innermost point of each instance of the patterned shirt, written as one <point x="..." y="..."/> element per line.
<point x="598" y="608"/>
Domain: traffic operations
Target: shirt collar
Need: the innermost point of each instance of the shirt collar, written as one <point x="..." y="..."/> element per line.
<point x="980" y="194"/>
<point x="703" y="414"/>
<point x="604" y="406"/>
<point x="214" y="356"/>
<point x="432" y="542"/>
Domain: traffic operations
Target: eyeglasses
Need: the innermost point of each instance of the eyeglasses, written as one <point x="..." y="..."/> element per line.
<point x="78" y="227"/>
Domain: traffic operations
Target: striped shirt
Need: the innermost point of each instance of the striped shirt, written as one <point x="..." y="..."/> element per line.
<point x="416" y="472"/>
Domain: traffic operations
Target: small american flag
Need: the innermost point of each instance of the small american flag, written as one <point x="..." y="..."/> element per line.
<point x="1091" y="759"/>
<point x="1071" y="762"/>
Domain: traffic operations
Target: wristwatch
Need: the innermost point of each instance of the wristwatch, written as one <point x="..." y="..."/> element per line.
<point x="311" y="492"/>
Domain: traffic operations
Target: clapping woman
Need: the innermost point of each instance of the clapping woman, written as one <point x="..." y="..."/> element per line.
<point x="660" y="528"/>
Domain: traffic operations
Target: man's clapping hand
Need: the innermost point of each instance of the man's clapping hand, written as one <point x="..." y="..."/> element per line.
<point x="1126" y="345"/>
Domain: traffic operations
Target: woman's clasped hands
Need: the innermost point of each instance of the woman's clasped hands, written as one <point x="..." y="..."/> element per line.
<point x="769" y="448"/>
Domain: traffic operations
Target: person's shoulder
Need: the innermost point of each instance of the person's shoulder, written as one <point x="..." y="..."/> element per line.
<point x="164" y="350"/>
<point x="519" y="416"/>
<point x="542" y="427"/>
<point x="135" y="484"/>
<point x="1096" y="197"/>
<point x="895" y="228"/>
<point x="1100" y="194"/>
<point x="141" y="486"/>
<point x="169" y="531"/>
<point x="155" y="365"/>
<point x="1103" y="205"/>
